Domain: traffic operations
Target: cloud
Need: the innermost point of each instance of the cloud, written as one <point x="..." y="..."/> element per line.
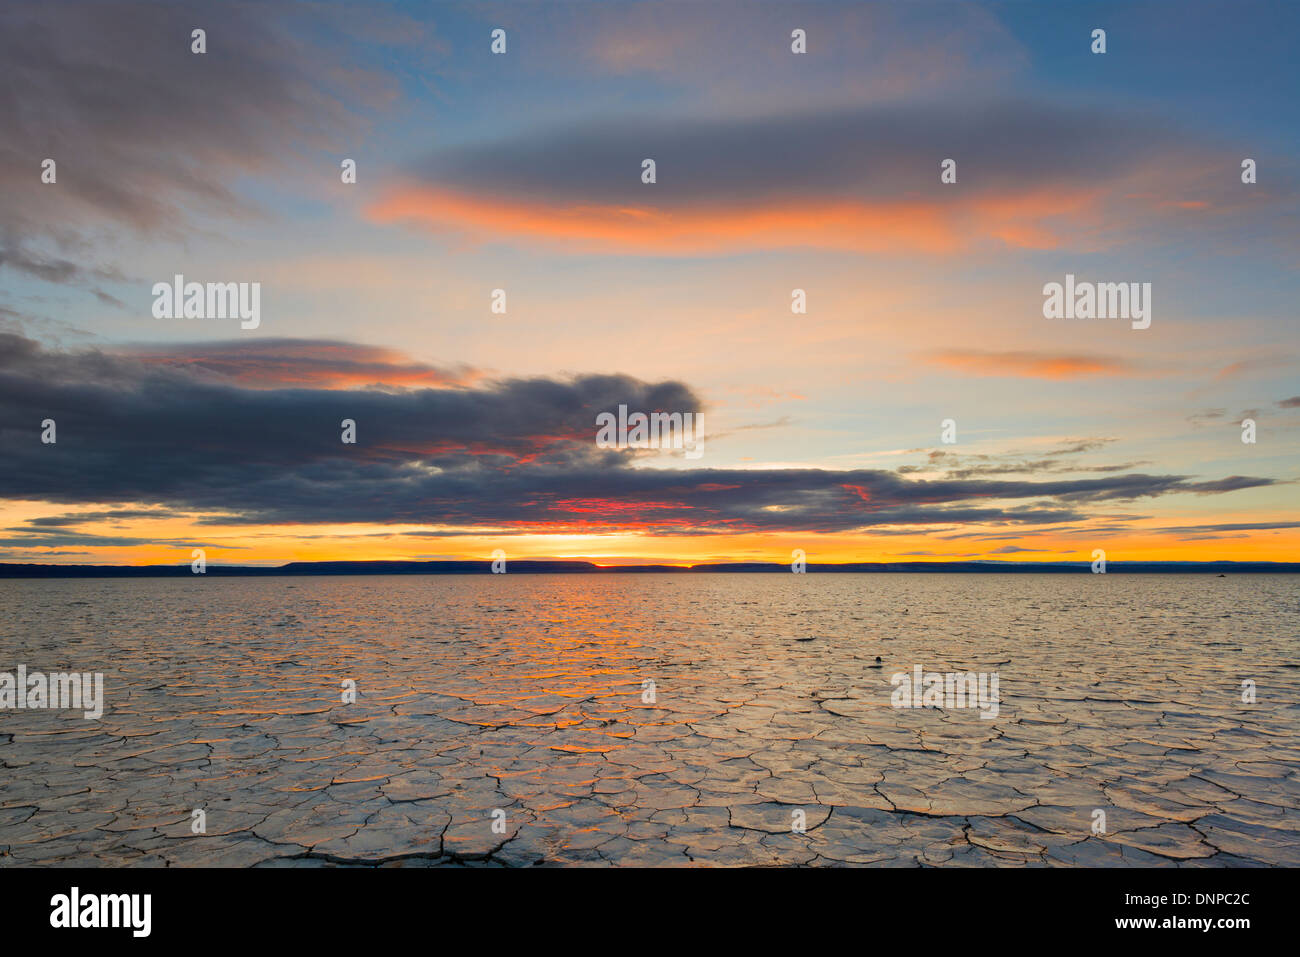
<point x="80" y="518"/>
<point x="1230" y="527"/>
<point x="146" y="135"/>
<point x="1056" y="460"/>
<point x="28" y="539"/>
<point x="635" y="226"/>
<point x="315" y="363"/>
<point x="877" y="152"/>
<point x="1206" y="417"/>
<point x="862" y="179"/>
<point x="1254" y="366"/>
<point x="1031" y="365"/>
<point x="1080" y="446"/>
<point x="514" y="453"/>
<point x="856" y="50"/>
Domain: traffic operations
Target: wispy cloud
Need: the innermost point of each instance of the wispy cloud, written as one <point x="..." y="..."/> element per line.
<point x="1033" y="365"/>
<point x="315" y="363"/>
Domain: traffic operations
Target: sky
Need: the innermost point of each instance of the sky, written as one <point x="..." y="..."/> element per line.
<point x="775" y="171"/>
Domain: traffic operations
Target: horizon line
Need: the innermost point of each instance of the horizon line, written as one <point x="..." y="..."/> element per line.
<point x="583" y="566"/>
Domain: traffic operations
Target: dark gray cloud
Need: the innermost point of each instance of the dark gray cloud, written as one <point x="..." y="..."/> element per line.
<point x="46" y="539"/>
<point x="80" y="518"/>
<point x="884" y="151"/>
<point x="514" y="453"/>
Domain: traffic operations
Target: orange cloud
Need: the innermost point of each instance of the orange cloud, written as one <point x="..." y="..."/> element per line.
<point x="1030" y="365"/>
<point x="868" y="226"/>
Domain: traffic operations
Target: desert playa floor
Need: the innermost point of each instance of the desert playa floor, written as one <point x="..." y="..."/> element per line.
<point x="502" y="720"/>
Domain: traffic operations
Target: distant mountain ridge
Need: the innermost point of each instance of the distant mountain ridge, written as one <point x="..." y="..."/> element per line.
<point x="557" y="567"/>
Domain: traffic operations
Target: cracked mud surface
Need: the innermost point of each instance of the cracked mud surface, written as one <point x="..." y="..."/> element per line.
<point x="524" y="694"/>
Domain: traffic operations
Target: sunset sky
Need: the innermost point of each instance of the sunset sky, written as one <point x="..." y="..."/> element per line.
<point x="775" y="172"/>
